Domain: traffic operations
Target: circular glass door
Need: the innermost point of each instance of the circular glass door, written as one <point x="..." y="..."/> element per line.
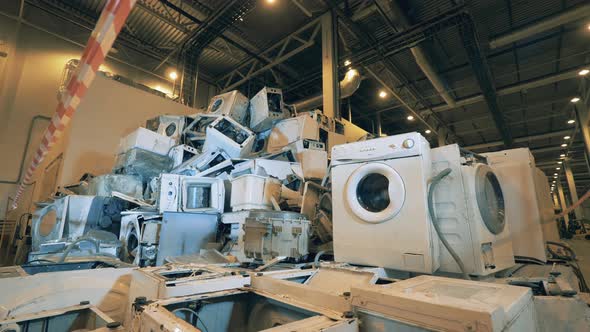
<point x="375" y="193"/>
<point x="490" y="199"/>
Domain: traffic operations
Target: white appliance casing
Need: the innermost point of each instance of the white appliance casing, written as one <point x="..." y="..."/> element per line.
<point x="168" y="125"/>
<point x="460" y="219"/>
<point x="233" y="104"/>
<point x="262" y="114"/>
<point x="291" y="130"/>
<point x="146" y="139"/>
<point x="515" y="169"/>
<point x="173" y="193"/>
<point x="427" y="303"/>
<point x="216" y="139"/>
<point x="254" y="192"/>
<point x="401" y="236"/>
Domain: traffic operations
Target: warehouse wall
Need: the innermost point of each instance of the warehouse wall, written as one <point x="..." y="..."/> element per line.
<point x="29" y="81"/>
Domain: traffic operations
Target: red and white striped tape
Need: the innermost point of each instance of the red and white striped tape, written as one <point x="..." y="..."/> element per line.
<point x="110" y="23"/>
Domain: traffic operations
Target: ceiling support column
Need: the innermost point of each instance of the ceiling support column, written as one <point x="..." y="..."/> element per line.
<point x="571" y="184"/>
<point x="379" y="130"/>
<point x="330" y="84"/>
<point x="563" y="203"/>
<point x="583" y="114"/>
<point x="442" y="137"/>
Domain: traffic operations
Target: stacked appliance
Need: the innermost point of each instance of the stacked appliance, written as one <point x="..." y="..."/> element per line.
<point x="516" y="170"/>
<point x="469" y="208"/>
<point x="379" y="204"/>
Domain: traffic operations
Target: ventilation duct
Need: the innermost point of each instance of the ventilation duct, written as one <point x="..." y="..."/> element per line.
<point x="348" y="87"/>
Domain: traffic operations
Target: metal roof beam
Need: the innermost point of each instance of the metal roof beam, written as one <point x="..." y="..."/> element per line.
<point x="523" y="139"/>
<point x="510" y="89"/>
<point x="570" y="15"/>
<point x="295" y="43"/>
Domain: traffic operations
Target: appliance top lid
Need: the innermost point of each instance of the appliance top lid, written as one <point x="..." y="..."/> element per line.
<point x="397" y="146"/>
<point x="467" y="295"/>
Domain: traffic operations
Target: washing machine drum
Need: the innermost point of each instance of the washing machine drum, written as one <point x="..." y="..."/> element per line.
<point x="490" y="199"/>
<point x="375" y="193"/>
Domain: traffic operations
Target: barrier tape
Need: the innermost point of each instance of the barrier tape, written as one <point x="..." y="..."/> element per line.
<point x="110" y="23"/>
<point x="574" y="206"/>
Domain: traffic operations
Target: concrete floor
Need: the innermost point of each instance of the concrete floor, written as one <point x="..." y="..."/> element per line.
<point x="582" y="248"/>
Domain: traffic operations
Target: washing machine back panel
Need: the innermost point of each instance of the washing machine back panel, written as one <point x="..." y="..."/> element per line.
<point x="406" y="241"/>
<point x="516" y="171"/>
<point x="398" y="146"/>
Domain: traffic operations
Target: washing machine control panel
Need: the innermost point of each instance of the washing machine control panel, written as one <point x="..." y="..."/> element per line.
<point x="397" y="146"/>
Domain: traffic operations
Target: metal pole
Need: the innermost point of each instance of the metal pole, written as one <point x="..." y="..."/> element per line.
<point x="378" y="121"/>
<point x="442" y="137"/>
<point x="583" y="115"/>
<point x="563" y="203"/>
<point x="571" y="184"/>
<point x="330" y="87"/>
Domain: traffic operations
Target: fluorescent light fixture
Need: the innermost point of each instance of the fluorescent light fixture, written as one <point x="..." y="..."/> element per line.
<point x="563" y="145"/>
<point x="575" y="100"/>
<point x="583" y="72"/>
<point x="566" y="137"/>
<point x="410" y="118"/>
<point x="428" y="131"/>
<point x="558" y="168"/>
<point x="571" y="121"/>
<point x="382" y="94"/>
<point x="559" y="162"/>
<point x="173" y="75"/>
<point x="562" y="155"/>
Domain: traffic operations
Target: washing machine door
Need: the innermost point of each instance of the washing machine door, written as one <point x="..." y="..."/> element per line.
<point x="375" y="192"/>
<point x="490" y="199"/>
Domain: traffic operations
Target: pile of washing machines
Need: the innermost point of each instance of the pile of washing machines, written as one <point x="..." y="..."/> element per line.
<point x="244" y="178"/>
<point x="389" y="211"/>
<point x="228" y="213"/>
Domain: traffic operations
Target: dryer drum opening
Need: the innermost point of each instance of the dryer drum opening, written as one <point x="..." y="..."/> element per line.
<point x="490" y="199"/>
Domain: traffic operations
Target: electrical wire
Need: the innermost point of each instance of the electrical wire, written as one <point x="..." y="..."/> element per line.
<point x="193" y="313"/>
<point x="71" y="246"/>
<point x="433" y="183"/>
<point x="570" y="261"/>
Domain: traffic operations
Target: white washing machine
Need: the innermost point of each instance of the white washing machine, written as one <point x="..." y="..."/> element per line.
<point x="515" y="169"/>
<point x="469" y="207"/>
<point x="379" y="203"/>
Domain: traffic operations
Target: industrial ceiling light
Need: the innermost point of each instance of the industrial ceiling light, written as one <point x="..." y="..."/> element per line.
<point x="427" y="131"/>
<point x="382" y="94"/>
<point x="583" y="72"/>
<point x="571" y="121"/>
<point x="563" y="145"/>
<point x="566" y="137"/>
<point x="562" y="155"/>
<point x="575" y="100"/>
<point x="173" y="75"/>
<point x="410" y="118"/>
<point x="270" y="1"/>
<point x="347" y="63"/>
<point x="554" y="174"/>
<point x="559" y="162"/>
<point x="558" y="168"/>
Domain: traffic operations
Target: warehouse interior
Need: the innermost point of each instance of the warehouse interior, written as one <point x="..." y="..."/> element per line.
<point x="294" y="165"/>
